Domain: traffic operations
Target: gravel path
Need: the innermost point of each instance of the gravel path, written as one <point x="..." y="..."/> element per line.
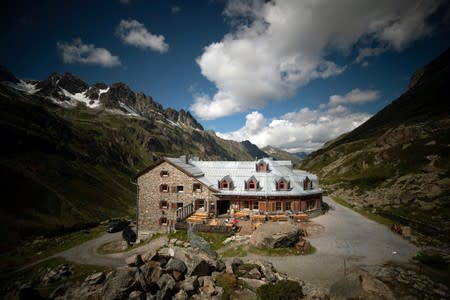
<point x="347" y="239"/>
<point x="86" y="253"/>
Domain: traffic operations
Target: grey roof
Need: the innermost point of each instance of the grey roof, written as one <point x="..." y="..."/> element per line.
<point x="181" y="162"/>
<point x="211" y="172"/>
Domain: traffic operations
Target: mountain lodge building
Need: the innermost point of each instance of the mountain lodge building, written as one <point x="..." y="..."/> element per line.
<point x="172" y="189"/>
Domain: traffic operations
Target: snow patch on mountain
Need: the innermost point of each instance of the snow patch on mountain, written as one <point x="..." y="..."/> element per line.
<point x="81" y="97"/>
<point x="23" y="86"/>
<point x="128" y="110"/>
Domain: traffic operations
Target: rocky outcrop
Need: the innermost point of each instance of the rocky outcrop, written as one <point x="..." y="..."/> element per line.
<point x="118" y="93"/>
<point x="55" y="82"/>
<point x="360" y="285"/>
<point x="274" y="235"/>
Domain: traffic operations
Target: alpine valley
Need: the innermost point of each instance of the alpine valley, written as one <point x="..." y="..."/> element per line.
<point x="70" y="150"/>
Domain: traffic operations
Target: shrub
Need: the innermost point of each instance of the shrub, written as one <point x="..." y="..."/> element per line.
<point x="282" y="290"/>
<point x="434" y="261"/>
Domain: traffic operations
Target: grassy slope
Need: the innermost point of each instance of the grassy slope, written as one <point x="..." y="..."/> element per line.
<point x="63" y="167"/>
<point x="396" y="141"/>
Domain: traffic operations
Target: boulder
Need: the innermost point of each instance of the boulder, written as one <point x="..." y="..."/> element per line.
<point x="176" y="264"/>
<point x="166" y="284"/>
<point x="136" y="295"/>
<point x="120" y="283"/>
<point x="360" y="285"/>
<point x="253" y="284"/>
<point x="274" y="235"/>
<point x="181" y="295"/>
<point x="134" y="260"/>
<point x="253" y="274"/>
<point x="268" y="271"/>
<point x="95" y="278"/>
<point x="148" y="276"/>
<point x="207" y="286"/>
<point x="56" y="274"/>
<point x="190" y="284"/>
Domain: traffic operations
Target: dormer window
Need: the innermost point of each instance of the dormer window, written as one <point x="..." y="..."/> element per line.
<point x="226" y="183"/>
<point x="282" y="184"/>
<point x="252" y="184"/>
<point x="262" y="166"/>
<point x="164" y="173"/>
<point x="307" y="184"/>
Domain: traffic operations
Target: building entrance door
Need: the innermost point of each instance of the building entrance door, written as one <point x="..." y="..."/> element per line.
<point x="223" y="207"/>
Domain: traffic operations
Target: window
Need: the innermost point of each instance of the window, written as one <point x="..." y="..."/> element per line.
<point x="163" y="204"/>
<point x="196" y="187"/>
<point x="252" y="185"/>
<point x="262" y="167"/>
<point x="179" y="204"/>
<point x="226" y="183"/>
<point x="307" y="184"/>
<point x="163" y="221"/>
<point x="310" y="204"/>
<point x="278" y="205"/>
<point x="164" y="188"/>
<point x="180" y="188"/>
<point x="287" y="205"/>
<point x="255" y="205"/>
<point x="164" y="173"/>
<point x="246" y="204"/>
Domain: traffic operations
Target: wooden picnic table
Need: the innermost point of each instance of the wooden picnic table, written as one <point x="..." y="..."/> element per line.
<point x="242" y="214"/>
<point x="258" y="218"/>
<point x="300" y="217"/>
<point x="278" y="218"/>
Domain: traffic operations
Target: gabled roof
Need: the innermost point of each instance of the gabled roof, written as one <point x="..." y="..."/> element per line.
<point x="210" y="173"/>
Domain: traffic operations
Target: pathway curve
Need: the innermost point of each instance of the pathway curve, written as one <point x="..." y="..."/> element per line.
<point x="86" y="253"/>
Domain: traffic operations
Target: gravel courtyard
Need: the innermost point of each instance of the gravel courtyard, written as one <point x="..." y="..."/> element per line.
<point x="343" y="238"/>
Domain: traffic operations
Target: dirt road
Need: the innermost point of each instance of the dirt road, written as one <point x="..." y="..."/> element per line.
<point x="347" y="240"/>
<point x="87" y="253"/>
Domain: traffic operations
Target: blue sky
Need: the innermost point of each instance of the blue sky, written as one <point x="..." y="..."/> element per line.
<point x="292" y="74"/>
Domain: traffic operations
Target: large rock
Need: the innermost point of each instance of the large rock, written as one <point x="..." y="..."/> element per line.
<point x="360" y="285"/>
<point x="276" y="235"/>
<point x="148" y="276"/>
<point x="134" y="260"/>
<point x="95" y="278"/>
<point x="199" y="263"/>
<point x="176" y="264"/>
<point x="253" y="284"/>
<point x="190" y="284"/>
<point x="120" y="283"/>
<point x="166" y="284"/>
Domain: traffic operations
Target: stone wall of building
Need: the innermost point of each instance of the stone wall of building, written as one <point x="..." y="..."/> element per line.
<point x="157" y="207"/>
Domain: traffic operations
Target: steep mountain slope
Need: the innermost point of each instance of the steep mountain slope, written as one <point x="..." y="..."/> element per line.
<point x="70" y="149"/>
<point x="398" y="161"/>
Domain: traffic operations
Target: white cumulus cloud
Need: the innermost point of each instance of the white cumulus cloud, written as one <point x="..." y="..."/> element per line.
<point x="278" y="46"/>
<point x="302" y="130"/>
<point x="78" y="52"/>
<point x="134" y="33"/>
<point x="355" y="96"/>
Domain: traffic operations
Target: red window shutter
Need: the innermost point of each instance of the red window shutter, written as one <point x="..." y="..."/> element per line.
<point x="174" y="205"/>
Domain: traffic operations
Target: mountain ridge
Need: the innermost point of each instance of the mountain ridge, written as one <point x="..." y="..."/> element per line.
<point x="398" y="161"/>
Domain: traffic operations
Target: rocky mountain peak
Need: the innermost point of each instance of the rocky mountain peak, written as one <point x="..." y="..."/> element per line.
<point x="118" y="92"/>
<point x="55" y="82"/>
<point x="183" y="117"/>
